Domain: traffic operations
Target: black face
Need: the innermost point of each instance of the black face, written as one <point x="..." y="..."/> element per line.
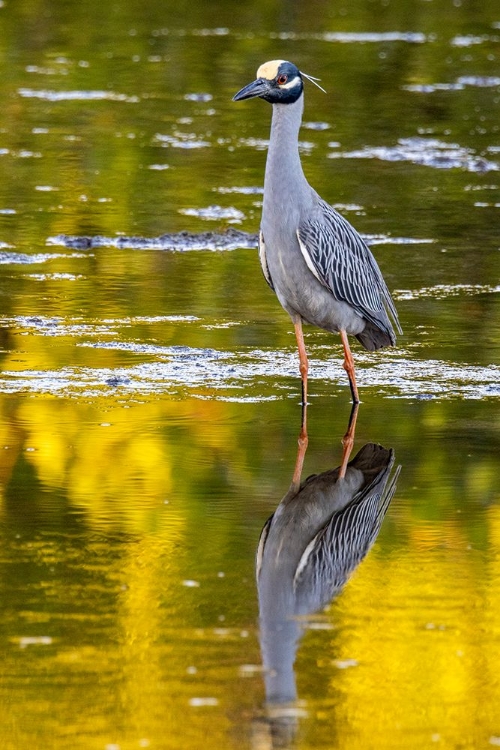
<point x="278" y="82"/>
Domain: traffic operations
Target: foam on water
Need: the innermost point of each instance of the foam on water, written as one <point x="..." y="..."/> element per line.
<point x="87" y="96"/>
<point x="231" y="239"/>
<point x="428" y="152"/>
<point x="255" y="374"/>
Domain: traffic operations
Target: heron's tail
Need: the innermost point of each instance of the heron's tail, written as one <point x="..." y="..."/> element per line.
<point x="372" y="337"/>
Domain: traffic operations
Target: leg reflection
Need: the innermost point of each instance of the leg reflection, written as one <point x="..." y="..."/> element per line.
<point x="348" y="440"/>
<point x="303" y="442"/>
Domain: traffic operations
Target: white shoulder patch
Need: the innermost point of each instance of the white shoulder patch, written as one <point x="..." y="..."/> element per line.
<point x="308" y="259"/>
<point x="269" y="70"/>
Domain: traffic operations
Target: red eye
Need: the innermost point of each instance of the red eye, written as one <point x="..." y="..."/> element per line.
<point x="282" y="79"/>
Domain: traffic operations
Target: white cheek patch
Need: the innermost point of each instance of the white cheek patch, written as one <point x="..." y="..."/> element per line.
<point x="269" y="69"/>
<point x="291" y="84"/>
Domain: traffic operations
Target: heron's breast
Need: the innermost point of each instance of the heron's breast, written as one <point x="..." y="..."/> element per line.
<point x="298" y="290"/>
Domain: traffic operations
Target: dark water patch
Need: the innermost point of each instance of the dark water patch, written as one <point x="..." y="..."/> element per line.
<point x="231" y="239"/>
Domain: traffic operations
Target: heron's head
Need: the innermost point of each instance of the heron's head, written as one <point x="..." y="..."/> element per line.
<point x="278" y="82"/>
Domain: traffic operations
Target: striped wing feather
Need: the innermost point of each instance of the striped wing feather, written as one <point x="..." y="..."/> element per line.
<point x="341" y="261"/>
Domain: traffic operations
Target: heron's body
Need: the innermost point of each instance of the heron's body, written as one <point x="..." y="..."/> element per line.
<point x="288" y="205"/>
<point x="322" y="271"/>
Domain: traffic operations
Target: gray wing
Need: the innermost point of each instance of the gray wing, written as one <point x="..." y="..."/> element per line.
<point x="338" y="548"/>
<point x="341" y="261"/>
<point x="263" y="260"/>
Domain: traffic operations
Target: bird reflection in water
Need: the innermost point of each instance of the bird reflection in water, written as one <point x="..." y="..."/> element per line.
<point x="308" y="548"/>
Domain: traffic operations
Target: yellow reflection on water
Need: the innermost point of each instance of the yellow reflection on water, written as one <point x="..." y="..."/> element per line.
<point x="414" y="659"/>
<point x="136" y="639"/>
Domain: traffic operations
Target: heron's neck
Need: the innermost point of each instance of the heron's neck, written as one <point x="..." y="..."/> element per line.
<point x="283" y="167"/>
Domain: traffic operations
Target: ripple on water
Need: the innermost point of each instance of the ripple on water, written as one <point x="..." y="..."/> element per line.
<point x="55" y="326"/>
<point x="215" y="213"/>
<point x="428" y="152"/>
<point x="244" y="190"/>
<point x="458" y="85"/>
<point x="442" y="291"/>
<point x="24" y="259"/>
<point x="354" y="37"/>
<point x="180" y="140"/>
<point x="76" y="95"/>
<point x="201" y="97"/>
<point x="55" y="276"/>
<point x="469" y="40"/>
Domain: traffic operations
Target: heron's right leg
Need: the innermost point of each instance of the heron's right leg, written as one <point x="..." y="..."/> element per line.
<point x="304" y="364"/>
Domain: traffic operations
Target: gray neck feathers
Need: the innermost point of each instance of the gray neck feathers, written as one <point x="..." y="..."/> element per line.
<point x="284" y="173"/>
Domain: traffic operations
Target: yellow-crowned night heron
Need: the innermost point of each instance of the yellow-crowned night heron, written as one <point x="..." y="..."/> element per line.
<point x="318" y="265"/>
<point x="309" y="547"/>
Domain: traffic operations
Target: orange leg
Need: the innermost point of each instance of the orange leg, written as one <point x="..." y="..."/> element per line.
<point x="304" y="364"/>
<point x="349" y="367"/>
<point x="348" y="440"/>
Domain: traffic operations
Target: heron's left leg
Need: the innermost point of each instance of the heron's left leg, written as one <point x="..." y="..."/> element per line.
<point x="349" y="367"/>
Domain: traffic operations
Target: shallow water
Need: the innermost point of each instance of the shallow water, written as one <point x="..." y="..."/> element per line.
<point x="149" y="390"/>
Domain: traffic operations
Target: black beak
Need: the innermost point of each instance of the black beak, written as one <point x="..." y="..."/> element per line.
<point x="256" y="88"/>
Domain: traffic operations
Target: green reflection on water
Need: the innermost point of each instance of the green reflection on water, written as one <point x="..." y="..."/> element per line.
<point x="129" y="517"/>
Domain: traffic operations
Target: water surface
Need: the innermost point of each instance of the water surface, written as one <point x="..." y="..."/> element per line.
<point x="149" y="390"/>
